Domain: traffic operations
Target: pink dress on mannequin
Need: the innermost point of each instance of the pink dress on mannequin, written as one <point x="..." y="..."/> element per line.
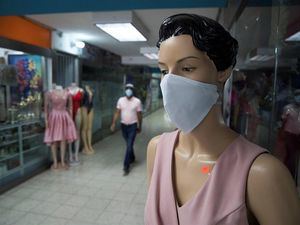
<point x="60" y="124"/>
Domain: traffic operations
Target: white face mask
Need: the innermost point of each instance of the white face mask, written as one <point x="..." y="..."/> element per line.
<point x="128" y="92"/>
<point x="186" y="101"/>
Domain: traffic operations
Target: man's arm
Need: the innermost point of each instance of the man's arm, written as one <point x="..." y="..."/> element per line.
<point x="140" y="121"/>
<point x="115" y="118"/>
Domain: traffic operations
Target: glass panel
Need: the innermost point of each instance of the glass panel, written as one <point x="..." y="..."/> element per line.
<point x="26" y="97"/>
<point x="9" y="150"/>
<point x="285" y="133"/>
<point x="251" y="98"/>
<point x="34" y="149"/>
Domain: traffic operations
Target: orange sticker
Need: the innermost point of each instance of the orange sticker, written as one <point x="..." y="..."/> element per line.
<point x="205" y="169"/>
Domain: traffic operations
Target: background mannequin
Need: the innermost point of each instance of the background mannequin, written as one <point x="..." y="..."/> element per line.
<point x="87" y="120"/>
<point x="59" y="124"/>
<point x="77" y="96"/>
<point x="291" y="134"/>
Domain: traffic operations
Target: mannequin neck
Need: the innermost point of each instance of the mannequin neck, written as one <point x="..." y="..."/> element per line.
<point x="58" y="87"/>
<point x="73" y="89"/>
<point x="210" y="136"/>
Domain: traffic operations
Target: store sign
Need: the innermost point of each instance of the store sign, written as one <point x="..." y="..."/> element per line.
<point x="65" y="43"/>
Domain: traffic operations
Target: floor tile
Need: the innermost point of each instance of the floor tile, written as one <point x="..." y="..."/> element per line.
<point x="87" y="215"/>
<point x="30" y="219"/>
<point x="26" y="205"/>
<point x="110" y="218"/>
<point x="46" y="208"/>
<point x="10" y="216"/>
<point x="65" y="211"/>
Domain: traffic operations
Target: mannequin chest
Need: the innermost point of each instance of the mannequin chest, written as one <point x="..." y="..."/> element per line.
<point x="190" y="174"/>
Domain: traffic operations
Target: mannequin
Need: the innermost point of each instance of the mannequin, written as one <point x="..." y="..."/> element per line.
<point x="205" y="173"/>
<point x="291" y="133"/>
<point x="77" y="96"/>
<point x="60" y="127"/>
<point x="87" y="120"/>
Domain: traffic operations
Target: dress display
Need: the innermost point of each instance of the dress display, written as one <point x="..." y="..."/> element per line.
<point x="77" y="101"/>
<point x="87" y="101"/>
<point x="60" y="124"/>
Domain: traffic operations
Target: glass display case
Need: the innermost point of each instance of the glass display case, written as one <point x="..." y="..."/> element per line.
<point x="22" y="152"/>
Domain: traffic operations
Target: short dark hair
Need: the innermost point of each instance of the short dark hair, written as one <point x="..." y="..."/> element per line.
<point x="208" y="36"/>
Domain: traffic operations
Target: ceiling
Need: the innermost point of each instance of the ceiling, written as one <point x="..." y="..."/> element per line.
<point x="81" y="26"/>
<point x="76" y="18"/>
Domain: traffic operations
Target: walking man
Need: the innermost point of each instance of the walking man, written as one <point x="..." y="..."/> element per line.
<point x="130" y="109"/>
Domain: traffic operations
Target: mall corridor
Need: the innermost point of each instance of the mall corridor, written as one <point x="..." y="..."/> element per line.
<point x="95" y="192"/>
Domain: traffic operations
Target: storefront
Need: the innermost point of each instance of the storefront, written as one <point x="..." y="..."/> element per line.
<point x="25" y="72"/>
<point x="265" y="104"/>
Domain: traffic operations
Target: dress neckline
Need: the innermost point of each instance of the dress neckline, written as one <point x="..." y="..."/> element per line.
<point x="200" y="191"/>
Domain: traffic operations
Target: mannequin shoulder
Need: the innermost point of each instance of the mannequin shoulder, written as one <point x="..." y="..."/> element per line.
<point x="151" y="152"/>
<point x="267" y="168"/>
<point x="270" y="186"/>
<point x="151" y="149"/>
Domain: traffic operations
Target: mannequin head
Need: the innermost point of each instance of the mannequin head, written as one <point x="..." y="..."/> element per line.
<point x="212" y="47"/>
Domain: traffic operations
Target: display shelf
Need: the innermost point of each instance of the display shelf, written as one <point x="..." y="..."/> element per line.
<point x="32" y="136"/>
<point x="8" y="143"/>
<point x="10" y="172"/>
<point x="22" y="156"/>
<point x="33" y="149"/>
<point x="33" y="160"/>
<point x="8" y="157"/>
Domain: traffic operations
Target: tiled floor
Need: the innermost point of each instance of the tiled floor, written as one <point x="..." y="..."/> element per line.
<point x="92" y="193"/>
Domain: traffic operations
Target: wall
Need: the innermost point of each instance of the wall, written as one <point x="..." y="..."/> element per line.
<point x="20" y="29"/>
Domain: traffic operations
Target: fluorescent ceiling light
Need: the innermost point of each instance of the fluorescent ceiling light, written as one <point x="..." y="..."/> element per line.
<point x="16" y="53"/>
<point x="261" y="58"/>
<point x="150" y="52"/>
<point x="294" y="37"/>
<point x="151" y="55"/>
<point x="122" y="31"/>
<point x="79" y="44"/>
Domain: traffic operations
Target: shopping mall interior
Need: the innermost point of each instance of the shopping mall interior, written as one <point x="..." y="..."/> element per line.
<point x="67" y="45"/>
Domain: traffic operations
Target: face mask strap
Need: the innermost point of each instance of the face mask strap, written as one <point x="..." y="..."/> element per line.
<point x="220" y="91"/>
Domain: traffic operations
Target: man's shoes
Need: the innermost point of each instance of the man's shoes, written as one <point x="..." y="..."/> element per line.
<point x="125" y="172"/>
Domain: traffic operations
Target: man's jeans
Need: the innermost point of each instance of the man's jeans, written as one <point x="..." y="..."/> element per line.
<point x="129" y="133"/>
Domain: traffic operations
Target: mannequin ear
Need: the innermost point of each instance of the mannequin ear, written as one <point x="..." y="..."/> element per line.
<point x="224" y="75"/>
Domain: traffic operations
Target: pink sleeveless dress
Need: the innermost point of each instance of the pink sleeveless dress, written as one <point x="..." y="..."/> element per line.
<point x="221" y="201"/>
<point x="61" y="127"/>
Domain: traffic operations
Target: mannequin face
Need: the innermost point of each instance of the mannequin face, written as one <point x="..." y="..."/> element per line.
<point x="178" y="55"/>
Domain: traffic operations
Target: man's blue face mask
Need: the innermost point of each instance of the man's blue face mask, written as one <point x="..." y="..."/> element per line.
<point x="128" y="92"/>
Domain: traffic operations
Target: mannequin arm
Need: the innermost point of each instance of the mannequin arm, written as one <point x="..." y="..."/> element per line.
<point x="151" y="152"/>
<point x="271" y="193"/>
<point x="70" y="107"/>
<point x="46" y="105"/>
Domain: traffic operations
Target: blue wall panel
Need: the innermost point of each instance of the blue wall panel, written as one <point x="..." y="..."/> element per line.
<point x="23" y="7"/>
